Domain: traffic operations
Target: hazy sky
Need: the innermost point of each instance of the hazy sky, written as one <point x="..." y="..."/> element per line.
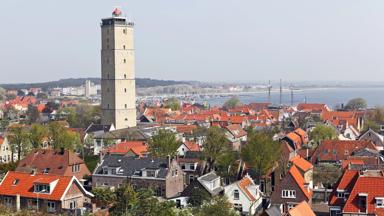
<point x="207" y="40"/>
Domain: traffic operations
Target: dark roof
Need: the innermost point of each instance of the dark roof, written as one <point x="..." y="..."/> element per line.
<point x="131" y="164"/>
<point x="98" y="127"/>
<point x="209" y="177"/>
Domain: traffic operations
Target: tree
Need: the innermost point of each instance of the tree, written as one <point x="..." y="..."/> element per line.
<point x="164" y="143"/>
<point x="37" y="134"/>
<point x="374" y="118"/>
<point x="2" y="94"/>
<point x="63" y="138"/>
<point x="217" y="206"/>
<point x="215" y="144"/>
<point x="198" y="197"/>
<point x="261" y="152"/>
<point x="226" y="165"/>
<point x="356" y="104"/>
<point x="327" y="175"/>
<point x="32" y="114"/>
<point x="42" y="95"/>
<point x="173" y="103"/>
<point x="18" y="138"/>
<point x="322" y="132"/>
<point x="232" y="103"/>
<point x="10" y="96"/>
<point x="104" y="196"/>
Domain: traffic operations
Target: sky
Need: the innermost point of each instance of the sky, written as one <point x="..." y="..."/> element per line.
<point x="203" y="40"/>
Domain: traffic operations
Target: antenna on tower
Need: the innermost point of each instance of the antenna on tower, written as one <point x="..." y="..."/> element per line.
<point x="281" y="92"/>
<point x="269" y="91"/>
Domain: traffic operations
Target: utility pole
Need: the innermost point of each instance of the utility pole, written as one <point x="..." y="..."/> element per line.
<point x="291" y="87"/>
<point x="269" y="91"/>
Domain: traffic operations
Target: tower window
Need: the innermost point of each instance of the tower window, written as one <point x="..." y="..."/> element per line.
<point x="108" y="106"/>
<point x="125" y="76"/>
<point x="125" y="61"/>
<point x="126" y="119"/>
<point x="125" y="31"/>
<point x="125" y="106"/>
<point x="107" y="89"/>
<point x="108" y="75"/>
<point x="125" y="90"/>
<point x="123" y="46"/>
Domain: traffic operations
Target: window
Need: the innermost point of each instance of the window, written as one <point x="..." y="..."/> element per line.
<point x="76" y="168"/>
<point x="192" y="166"/>
<point x="380" y="202"/>
<point x="125" y="76"/>
<point x="125" y="31"/>
<point x="125" y="119"/>
<point x="113" y="171"/>
<point x="346" y="152"/>
<point x="125" y="90"/>
<point x="16" y="181"/>
<point x="42" y="188"/>
<point x="108" y="106"/>
<point x="125" y="105"/>
<point x="72" y="204"/>
<point x="51" y="207"/>
<point x="288" y="194"/>
<point x="325" y="151"/>
<point x="151" y="173"/>
<point x="381" y="127"/>
<point x="46" y="170"/>
<point x="105" y="170"/>
<point x="123" y="46"/>
<point x="183" y="166"/>
<point x="334" y="151"/>
<point x="125" y="61"/>
<point x="236" y="195"/>
<point x="340" y="194"/>
<point x="8" y="201"/>
<point x="290" y="206"/>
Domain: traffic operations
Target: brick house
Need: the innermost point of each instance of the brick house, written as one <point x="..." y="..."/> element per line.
<point x="292" y="190"/>
<point x="57" y="162"/>
<point x="43" y="192"/>
<point x="165" y="177"/>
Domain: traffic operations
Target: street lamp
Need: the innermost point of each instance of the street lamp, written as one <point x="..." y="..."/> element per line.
<point x="37" y="199"/>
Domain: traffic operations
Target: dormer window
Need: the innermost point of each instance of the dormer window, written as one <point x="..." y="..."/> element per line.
<point x="76" y="168"/>
<point x="340" y="194"/>
<point x="151" y="173"/>
<point x="379" y="202"/>
<point x="16" y="181"/>
<point x="236" y="194"/>
<point x="46" y="170"/>
<point x="40" y="188"/>
<point x="105" y="170"/>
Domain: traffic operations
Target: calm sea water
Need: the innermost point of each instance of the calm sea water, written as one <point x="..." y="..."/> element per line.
<point x="331" y="96"/>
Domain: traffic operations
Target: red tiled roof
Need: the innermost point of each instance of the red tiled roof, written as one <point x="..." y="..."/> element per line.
<point x="236" y="130"/>
<point x="26" y="182"/>
<point x="192" y="146"/>
<point x="299" y="179"/>
<point x="296" y="139"/>
<point x="346" y="163"/>
<point x="311" y="107"/>
<point x="337" y="150"/>
<point x="301" y="209"/>
<point x="244" y="183"/>
<point x="301" y="163"/>
<point x="138" y="147"/>
<point x="185" y="129"/>
<point x="370" y="185"/>
<point x="237" y="119"/>
<point x="1" y="140"/>
<point x="346" y="182"/>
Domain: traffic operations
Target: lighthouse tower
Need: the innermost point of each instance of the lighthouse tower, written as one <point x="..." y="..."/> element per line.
<point x="118" y="94"/>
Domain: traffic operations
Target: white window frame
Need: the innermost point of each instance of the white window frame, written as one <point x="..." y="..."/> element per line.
<point x="288" y="194"/>
<point x="51" y="206"/>
<point x="379" y="202"/>
<point x="236" y="192"/>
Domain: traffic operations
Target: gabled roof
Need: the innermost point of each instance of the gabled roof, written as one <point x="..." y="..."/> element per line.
<point x="55" y="160"/>
<point x="243" y="184"/>
<point x="345" y="183"/>
<point x="15" y="183"/>
<point x="301" y="209"/>
<point x="301" y="163"/>
<point x="192" y="146"/>
<point x="138" y="147"/>
<point x="299" y="179"/>
<point x="236" y="130"/>
<point x="311" y="107"/>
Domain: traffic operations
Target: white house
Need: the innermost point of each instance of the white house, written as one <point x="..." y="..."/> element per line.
<point x="187" y="146"/>
<point x="5" y="150"/>
<point x="245" y="195"/>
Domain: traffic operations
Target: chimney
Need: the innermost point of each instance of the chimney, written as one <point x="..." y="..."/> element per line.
<point x="17" y="202"/>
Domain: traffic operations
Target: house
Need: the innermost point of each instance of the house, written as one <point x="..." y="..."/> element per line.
<point x="244" y="195"/>
<point x="350" y="133"/>
<point x="376" y="138"/>
<point x="210" y="183"/>
<point x="305" y="168"/>
<point x="43" y="192"/>
<point x="312" y="107"/>
<point x="165" y="177"/>
<point x="292" y="190"/>
<point x="358" y="192"/>
<point x="301" y="209"/>
<point x="5" y="150"/>
<point x="95" y="130"/>
<point x="335" y="151"/>
<point x="55" y="162"/>
<point x="187" y="146"/>
<point x="297" y="138"/>
<point x="192" y="164"/>
<point x="235" y="135"/>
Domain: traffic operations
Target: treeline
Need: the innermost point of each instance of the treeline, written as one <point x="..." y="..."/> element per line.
<point x="62" y="83"/>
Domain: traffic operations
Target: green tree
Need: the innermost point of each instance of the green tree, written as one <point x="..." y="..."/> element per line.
<point x="322" y="132"/>
<point x="261" y="152"/>
<point x="164" y="143"/>
<point x="227" y="165"/>
<point x="37" y="134"/>
<point x="327" y="175"/>
<point x="356" y="104"/>
<point x="173" y="103"/>
<point x="2" y="94"/>
<point x="214" y="146"/>
<point x="374" y="118"/>
<point x="4" y="124"/>
<point x="42" y="95"/>
<point x="104" y="196"/>
<point x="217" y="206"/>
<point x="33" y="114"/>
<point x="62" y="138"/>
<point x="232" y="103"/>
<point x="18" y="139"/>
<point x="198" y="197"/>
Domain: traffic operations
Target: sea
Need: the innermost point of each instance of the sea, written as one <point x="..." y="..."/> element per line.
<point x="333" y="97"/>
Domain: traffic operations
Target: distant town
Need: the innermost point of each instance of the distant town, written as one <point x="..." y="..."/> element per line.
<point x="120" y="145"/>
